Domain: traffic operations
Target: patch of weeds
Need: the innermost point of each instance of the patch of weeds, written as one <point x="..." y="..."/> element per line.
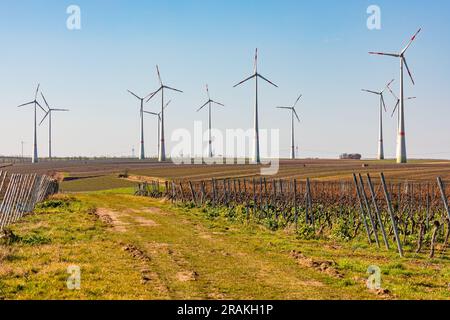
<point x="348" y="283"/>
<point x="306" y="232"/>
<point x="8" y="238"/>
<point x="271" y="224"/>
<point x="58" y="203"/>
<point x="35" y="240"/>
<point x="342" y="231"/>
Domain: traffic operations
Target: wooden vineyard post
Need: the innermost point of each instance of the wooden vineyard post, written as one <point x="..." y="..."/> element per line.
<point x="372" y="222"/>
<point x="213" y="182"/>
<point x="182" y="192"/>
<point x="194" y="200"/>
<point x="167" y="188"/>
<point x="444" y="196"/>
<point x="174" y="192"/>
<point x="377" y="211"/>
<point x="254" y="198"/>
<point x="202" y="185"/>
<point x="391" y="214"/>
<point x="295" y="204"/>
<point x="309" y="201"/>
<point x="361" y="207"/>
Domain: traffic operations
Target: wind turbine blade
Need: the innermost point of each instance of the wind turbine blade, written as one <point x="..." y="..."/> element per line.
<point x="411" y="41"/>
<point x="218" y="103"/>
<point x="267" y="80"/>
<point x="385" y="54"/>
<point x="384" y="104"/>
<point x="167" y="104"/>
<point x="409" y="72"/>
<point x="392" y="92"/>
<point x="245" y="80"/>
<point x="148" y="95"/>
<point x="25" y="104"/>
<point x="45" y="100"/>
<point x="60" y="110"/>
<point x="152" y="113"/>
<point x="203" y="105"/>
<point x="411" y="98"/>
<point x="173" y="89"/>
<point x="134" y="94"/>
<point x="37" y="90"/>
<point x="396" y="106"/>
<point x="37" y="102"/>
<point x="207" y="92"/>
<point x="387" y="86"/>
<point x="298" y="99"/>
<point x="370" y="91"/>
<point x="287" y="108"/>
<point x="296" y="115"/>
<point x="390" y="82"/>
<point x="46" y="114"/>
<point x="159" y="75"/>
<point x="154" y="94"/>
<point x="256" y="61"/>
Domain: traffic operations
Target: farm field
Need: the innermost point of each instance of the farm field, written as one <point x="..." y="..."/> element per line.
<point x="139" y="248"/>
<point x="97" y="175"/>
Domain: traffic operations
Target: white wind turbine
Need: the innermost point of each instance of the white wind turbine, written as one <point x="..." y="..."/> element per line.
<point x="209" y="103"/>
<point x="256" y="75"/>
<point x="36" y="104"/>
<point x="141" y="113"/>
<point x="159" y="122"/>
<point x="401" y="138"/>
<point x="162" y="145"/>
<point x="49" y="115"/>
<point x="293" y="113"/>
<point x="380" y="132"/>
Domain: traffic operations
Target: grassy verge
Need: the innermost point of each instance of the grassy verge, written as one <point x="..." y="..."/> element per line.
<point x="140" y="248"/>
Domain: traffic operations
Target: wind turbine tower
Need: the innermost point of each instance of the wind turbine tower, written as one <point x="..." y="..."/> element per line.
<point x="141" y="113"/>
<point x="48" y="114"/>
<point x="401" y="137"/>
<point x="162" y="146"/>
<point x="293" y="113"/>
<point x="209" y="103"/>
<point x="380" y="132"/>
<point x="36" y="104"/>
<point x="256" y="76"/>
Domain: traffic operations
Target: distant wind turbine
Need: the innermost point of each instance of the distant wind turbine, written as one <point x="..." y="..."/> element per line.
<point x="293" y="113"/>
<point x="162" y="145"/>
<point x="380" y="132"/>
<point x="256" y="75"/>
<point x="36" y="104"/>
<point x="209" y="103"/>
<point x="159" y="123"/>
<point x="49" y="115"/>
<point x="397" y="104"/>
<point x="141" y="113"/>
<point x="401" y="138"/>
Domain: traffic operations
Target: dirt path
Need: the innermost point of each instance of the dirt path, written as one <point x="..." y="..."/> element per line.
<point x="185" y="258"/>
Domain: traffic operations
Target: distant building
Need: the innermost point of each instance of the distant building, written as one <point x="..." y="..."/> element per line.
<point x="350" y="156"/>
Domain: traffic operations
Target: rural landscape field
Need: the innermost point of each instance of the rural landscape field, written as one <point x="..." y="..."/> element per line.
<point x="143" y="247"/>
<point x="225" y="159"/>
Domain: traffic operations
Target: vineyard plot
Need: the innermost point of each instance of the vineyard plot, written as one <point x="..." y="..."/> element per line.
<point x="409" y="216"/>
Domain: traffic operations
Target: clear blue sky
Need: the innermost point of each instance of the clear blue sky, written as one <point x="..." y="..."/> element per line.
<point x="318" y="48"/>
